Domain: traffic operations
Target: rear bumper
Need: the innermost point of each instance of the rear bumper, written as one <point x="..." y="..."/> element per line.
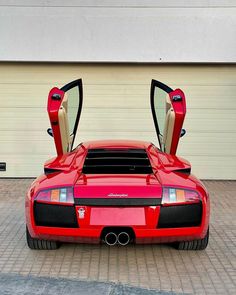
<point x="142" y="236"/>
<point x="146" y="233"/>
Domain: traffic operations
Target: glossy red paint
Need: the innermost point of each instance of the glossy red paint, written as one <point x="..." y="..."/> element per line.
<point x="66" y="170"/>
<point x="180" y="111"/>
<point x="95" y="186"/>
<point x="53" y="108"/>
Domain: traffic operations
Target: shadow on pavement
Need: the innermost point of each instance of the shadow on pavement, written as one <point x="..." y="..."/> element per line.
<point x="28" y="285"/>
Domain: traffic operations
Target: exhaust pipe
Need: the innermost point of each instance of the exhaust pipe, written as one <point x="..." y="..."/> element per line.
<point x="111" y="239"/>
<point x="123" y="238"/>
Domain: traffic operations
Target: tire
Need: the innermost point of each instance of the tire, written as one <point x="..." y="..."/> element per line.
<point x="194" y="245"/>
<point x="37" y="244"/>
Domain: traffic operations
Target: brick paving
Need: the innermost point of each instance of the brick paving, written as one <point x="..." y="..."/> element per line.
<point x="157" y="267"/>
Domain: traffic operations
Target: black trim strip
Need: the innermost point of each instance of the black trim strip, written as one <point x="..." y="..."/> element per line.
<point x="114" y="165"/>
<point x="132" y="169"/>
<point x="117" y="162"/>
<point x="165" y="88"/>
<point x="118" y="202"/>
<point x="48" y="171"/>
<point x="186" y="171"/>
<point x="161" y="85"/>
<point x="117" y="150"/>
<point x="117" y="153"/>
<point x="70" y="85"/>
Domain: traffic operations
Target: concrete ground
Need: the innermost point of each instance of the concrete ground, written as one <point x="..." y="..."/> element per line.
<point x="134" y="269"/>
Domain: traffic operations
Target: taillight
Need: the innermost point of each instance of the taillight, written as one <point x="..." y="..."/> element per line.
<point x="56" y="195"/>
<point x="176" y="196"/>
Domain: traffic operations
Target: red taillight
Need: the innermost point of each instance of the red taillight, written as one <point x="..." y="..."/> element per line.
<point x="176" y="196"/>
<point x="56" y="195"/>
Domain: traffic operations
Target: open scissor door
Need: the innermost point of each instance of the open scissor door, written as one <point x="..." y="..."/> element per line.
<point x="168" y="109"/>
<point x="64" y="109"/>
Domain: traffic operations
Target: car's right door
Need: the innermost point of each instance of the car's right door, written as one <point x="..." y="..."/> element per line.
<point x="168" y="109"/>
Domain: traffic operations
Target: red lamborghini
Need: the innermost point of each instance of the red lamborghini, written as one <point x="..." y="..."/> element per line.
<point x="117" y="191"/>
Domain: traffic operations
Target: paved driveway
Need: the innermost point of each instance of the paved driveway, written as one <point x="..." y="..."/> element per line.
<point x="157" y="267"/>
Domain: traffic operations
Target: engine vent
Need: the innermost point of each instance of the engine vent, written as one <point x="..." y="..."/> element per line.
<point x="117" y="161"/>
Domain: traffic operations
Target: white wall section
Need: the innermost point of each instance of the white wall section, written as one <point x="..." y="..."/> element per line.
<point x="118" y="31"/>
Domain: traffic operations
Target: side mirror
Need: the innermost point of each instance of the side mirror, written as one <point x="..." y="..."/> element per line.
<point x="183" y="132"/>
<point x="49" y="131"/>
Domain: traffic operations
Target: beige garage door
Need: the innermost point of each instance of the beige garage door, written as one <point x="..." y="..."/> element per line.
<point x="116" y="105"/>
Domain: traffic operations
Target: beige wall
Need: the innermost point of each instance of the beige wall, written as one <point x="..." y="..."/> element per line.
<point x="116" y="105"/>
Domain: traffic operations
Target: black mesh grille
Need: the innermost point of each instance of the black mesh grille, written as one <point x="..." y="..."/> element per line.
<point x="180" y="216"/>
<point x="55" y="215"/>
<point x="117" y="161"/>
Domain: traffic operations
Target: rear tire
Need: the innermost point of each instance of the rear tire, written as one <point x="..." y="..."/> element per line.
<point x="200" y="244"/>
<point x="37" y="244"/>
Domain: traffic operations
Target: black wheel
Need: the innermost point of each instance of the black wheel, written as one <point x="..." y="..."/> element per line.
<point x="194" y="245"/>
<point x="37" y="244"/>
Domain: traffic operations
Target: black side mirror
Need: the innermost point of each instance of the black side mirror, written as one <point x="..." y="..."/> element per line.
<point x="49" y="131"/>
<point x="183" y="132"/>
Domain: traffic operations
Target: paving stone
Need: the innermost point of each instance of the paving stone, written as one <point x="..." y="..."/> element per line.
<point x="158" y="267"/>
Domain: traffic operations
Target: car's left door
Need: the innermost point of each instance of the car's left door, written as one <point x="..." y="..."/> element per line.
<point x="168" y="108"/>
<point x="64" y="109"/>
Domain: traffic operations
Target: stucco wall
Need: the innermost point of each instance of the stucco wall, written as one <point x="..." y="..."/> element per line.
<point x="118" y="31"/>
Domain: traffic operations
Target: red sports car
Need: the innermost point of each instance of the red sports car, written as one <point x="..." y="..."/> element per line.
<point x="117" y="191"/>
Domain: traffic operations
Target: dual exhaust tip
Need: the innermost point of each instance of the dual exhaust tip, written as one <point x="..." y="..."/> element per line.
<point x="111" y="238"/>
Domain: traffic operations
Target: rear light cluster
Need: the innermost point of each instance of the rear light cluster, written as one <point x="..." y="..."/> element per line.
<point x="56" y="195"/>
<point x="176" y="196"/>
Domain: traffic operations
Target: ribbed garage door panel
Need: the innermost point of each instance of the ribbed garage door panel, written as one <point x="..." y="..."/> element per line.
<point x="116" y="105"/>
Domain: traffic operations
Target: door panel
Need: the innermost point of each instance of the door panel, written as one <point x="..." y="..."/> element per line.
<point x="168" y="110"/>
<point x="64" y="109"/>
<point x="64" y="124"/>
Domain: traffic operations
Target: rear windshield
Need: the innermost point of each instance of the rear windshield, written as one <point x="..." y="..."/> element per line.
<point x="117" y="161"/>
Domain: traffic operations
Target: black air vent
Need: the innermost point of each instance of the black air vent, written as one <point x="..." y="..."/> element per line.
<point x="55" y="215"/>
<point x="117" y="161"/>
<point x="180" y="216"/>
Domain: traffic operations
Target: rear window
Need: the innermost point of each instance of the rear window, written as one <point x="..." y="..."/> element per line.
<point x="117" y="161"/>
